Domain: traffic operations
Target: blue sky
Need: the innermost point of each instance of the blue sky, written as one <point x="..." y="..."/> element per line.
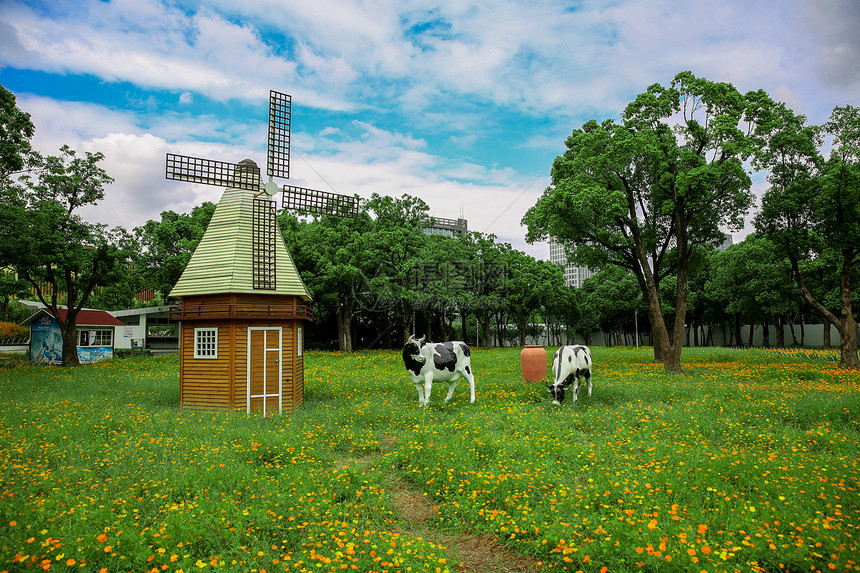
<point x="462" y="104"/>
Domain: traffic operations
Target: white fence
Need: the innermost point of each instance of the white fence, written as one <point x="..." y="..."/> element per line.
<point x="807" y="335"/>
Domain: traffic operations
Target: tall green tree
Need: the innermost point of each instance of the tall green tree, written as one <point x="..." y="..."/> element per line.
<point x="335" y="257"/>
<point x="394" y="253"/>
<point x="561" y="312"/>
<point x="11" y="287"/>
<point x="62" y="256"/>
<point x="16" y="130"/>
<point x="16" y="153"/>
<point x="813" y="202"/>
<point x="752" y="281"/>
<point x="442" y="277"/>
<point x="490" y="283"/>
<point x="665" y="179"/>
<point x="610" y="296"/>
<point x="166" y="246"/>
<point x="531" y="286"/>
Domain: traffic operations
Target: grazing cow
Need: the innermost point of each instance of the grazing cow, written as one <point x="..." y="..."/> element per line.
<point x="571" y="363"/>
<point x="437" y="362"/>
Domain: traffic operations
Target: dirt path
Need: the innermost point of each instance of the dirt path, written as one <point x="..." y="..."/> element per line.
<point x="478" y="553"/>
<point x="474" y="553"/>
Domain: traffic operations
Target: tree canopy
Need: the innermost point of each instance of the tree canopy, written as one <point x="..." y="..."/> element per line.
<point x="812" y="205"/>
<point x="63" y="257"/>
<point x="641" y="194"/>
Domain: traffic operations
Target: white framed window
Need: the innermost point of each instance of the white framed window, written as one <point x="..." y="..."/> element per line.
<point x="206" y="343"/>
<point x="95" y="337"/>
<point x="299" y="341"/>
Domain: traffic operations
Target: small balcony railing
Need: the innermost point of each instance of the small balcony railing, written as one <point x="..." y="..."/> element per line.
<point x="241" y="311"/>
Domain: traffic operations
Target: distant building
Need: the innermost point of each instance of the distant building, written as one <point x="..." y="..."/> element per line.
<point x="727" y="242"/>
<point x="573" y="275"/>
<point x="95" y="336"/>
<point x="149" y="327"/>
<point x="447" y="227"/>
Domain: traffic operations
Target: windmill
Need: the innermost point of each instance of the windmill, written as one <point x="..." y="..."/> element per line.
<point x="243" y="303"/>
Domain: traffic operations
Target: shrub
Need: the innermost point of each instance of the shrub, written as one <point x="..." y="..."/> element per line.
<point x="10" y="331"/>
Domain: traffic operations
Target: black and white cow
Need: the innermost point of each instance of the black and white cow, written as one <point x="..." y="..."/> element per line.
<point x="437" y="362"/>
<point x="571" y="363"/>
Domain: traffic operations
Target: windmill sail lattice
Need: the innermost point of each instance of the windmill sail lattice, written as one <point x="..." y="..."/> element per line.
<point x="263" y="236"/>
<point x="212" y="172"/>
<point x="280" y="118"/>
<point x="246" y="175"/>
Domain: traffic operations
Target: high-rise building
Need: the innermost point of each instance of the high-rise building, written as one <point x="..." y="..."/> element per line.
<point x="447" y="227"/>
<point x="574" y="275"/>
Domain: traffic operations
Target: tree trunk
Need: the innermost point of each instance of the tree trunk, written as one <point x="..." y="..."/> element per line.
<point x="69" y="330"/>
<point x="344" y="332"/>
<point x="429" y="320"/>
<point x="406" y="315"/>
<point x="780" y="331"/>
<point x="845" y="323"/>
<point x="484" y="319"/>
<point x="765" y="333"/>
<point x="673" y="360"/>
<point x="650" y="287"/>
<point x="658" y="331"/>
<point x="738" y="338"/>
<point x="388" y="342"/>
<point x="848" y="357"/>
<point x="752" y="331"/>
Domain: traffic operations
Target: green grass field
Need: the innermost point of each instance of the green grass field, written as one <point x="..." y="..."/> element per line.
<point x="747" y="462"/>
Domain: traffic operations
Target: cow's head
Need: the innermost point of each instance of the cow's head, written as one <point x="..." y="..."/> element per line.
<point x="412" y="348"/>
<point x="558" y="390"/>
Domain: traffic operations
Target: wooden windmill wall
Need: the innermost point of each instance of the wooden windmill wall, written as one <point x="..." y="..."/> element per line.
<point x="243" y="304"/>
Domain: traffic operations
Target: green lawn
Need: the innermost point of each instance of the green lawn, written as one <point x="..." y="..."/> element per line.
<point x="747" y="462"/>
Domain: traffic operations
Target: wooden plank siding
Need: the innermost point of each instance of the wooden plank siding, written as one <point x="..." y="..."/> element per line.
<point x="222" y="383"/>
<point x="205" y="382"/>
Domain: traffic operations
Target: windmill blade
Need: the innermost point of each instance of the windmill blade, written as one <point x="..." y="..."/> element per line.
<point x="211" y="172"/>
<point x="280" y="117"/>
<point x="311" y="201"/>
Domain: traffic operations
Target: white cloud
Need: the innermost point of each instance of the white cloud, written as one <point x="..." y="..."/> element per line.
<point x="426" y="82"/>
<point x="377" y="161"/>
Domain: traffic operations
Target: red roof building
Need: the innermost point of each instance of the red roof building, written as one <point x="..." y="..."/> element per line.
<point x="95" y="336"/>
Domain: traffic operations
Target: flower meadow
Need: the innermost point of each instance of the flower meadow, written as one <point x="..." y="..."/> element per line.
<point x="748" y="461"/>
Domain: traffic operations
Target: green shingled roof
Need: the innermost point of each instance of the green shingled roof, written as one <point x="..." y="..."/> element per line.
<point x="221" y="263"/>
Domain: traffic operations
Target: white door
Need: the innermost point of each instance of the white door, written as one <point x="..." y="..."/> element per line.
<point x="265" y="387"/>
